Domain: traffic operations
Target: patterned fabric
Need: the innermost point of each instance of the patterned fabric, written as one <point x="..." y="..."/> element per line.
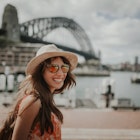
<point x="56" y="135"/>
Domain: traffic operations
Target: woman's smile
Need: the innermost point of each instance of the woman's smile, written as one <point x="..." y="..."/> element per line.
<point x="55" y="80"/>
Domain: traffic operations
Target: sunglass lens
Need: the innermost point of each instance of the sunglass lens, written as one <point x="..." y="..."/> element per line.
<point x="65" y="68"/>
<point x="53" y="69"/>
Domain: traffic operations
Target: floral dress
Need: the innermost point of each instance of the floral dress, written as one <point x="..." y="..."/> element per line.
<point x="56" y="135"/>
<point x="35" y="134"/>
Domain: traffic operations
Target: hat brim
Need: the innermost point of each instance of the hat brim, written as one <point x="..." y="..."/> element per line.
<point x="71" y="57"/>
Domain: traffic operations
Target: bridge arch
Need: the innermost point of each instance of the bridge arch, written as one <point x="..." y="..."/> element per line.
<point x="41" y="27"/>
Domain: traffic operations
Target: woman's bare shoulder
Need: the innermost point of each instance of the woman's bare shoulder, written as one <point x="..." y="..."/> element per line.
<point x="31" y="102"/>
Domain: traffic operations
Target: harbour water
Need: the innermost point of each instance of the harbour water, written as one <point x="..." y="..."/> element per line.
<point x="90" y="87"/>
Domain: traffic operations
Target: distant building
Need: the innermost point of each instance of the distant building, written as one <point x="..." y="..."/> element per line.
<point x="14" y="55"/>
<point x="136" y="64"/>
<point x="17" y="56"/>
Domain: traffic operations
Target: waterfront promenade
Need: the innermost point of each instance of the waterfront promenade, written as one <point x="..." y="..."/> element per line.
<point x="101" y="118"/>
<point x="96" y="124"/>
<point x="101" y="124"/>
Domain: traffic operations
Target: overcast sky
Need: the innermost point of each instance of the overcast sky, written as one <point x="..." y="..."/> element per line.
<point x="113" y="26"/>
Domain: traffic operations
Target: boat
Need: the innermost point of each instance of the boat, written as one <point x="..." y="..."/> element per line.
<point x="135" y="78"/>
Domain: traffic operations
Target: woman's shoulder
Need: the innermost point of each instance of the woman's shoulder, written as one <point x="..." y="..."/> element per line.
<point x="29" y="101"/>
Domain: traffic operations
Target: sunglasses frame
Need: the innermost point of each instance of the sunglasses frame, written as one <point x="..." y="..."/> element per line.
<point x="58" y="67"/>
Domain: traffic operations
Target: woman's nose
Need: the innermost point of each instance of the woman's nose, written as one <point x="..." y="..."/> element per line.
<point x="59" y="71"/>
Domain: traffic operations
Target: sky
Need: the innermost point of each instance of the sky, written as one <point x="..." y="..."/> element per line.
<point x="113" y="26"/>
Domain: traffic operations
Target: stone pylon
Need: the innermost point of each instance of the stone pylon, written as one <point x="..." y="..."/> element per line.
<point x="10" y="23"/>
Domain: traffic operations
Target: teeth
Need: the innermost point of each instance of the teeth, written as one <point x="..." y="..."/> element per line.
<point x="58" y="80"/>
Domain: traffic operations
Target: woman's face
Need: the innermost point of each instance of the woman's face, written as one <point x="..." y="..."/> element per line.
<point x="55" y="80"/>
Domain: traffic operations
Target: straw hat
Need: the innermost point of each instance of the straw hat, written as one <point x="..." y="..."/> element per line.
<point x="48" y="51"/>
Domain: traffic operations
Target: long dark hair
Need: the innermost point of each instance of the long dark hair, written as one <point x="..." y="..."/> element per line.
<point x="46" y="97"/>
<point x="35" y="85"/>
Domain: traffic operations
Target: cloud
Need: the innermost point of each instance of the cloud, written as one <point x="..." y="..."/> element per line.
<point x="112" y="25"/>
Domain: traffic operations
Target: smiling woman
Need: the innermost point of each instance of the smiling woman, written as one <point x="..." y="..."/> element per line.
<point x="53" y="74"/>
<point x="35" y="116"/>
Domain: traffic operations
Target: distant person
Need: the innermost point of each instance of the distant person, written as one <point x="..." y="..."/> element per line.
<point x="35" y="116"/>
<point x="109" y="96"/>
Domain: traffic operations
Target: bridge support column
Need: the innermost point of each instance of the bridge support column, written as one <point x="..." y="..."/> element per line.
<point x="10" y="23"/>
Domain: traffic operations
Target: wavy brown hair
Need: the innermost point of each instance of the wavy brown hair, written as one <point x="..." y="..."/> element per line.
<point x="46" y="97"/>
<point x="35" y="84"/>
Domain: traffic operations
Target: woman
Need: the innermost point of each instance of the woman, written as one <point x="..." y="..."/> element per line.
<point x="36" y="116"/>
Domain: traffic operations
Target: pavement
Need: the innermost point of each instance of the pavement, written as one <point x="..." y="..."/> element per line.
<point x="96" y="124"/>
<point x="100" y="124"/>
<point x="101" y="118"/>
<point x="99" y="134"/>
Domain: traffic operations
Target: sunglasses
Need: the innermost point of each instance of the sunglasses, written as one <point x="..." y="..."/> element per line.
<point x="53" y="68"/>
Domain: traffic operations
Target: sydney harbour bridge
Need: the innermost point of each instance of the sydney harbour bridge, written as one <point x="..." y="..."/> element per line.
<point x="15" y="55"/>
<point x="34" y="31"/>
